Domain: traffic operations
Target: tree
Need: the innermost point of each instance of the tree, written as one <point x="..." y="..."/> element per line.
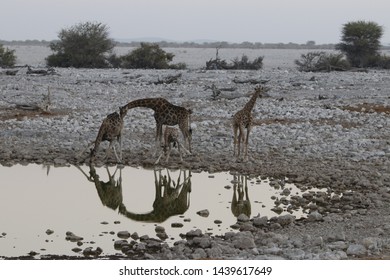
<point x="83" y="45"/>
<point x="361" y="43"/>
<point x="7" y="57"/>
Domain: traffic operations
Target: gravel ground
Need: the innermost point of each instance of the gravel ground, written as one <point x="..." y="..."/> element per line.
<point x="325" y="130"/>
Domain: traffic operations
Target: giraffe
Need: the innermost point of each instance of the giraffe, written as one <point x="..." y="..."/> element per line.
<point x="171" y="198"/>
<point x="171" y="138"/>
<point x="243" y="119"/>
<point x="110" y="130"/>
<point x="166" y="113"/>
<point x="110" y="192"/>
<point x="241" y="203"/>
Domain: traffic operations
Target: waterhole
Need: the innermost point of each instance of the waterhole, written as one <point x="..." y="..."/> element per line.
<point x="41" y="205"/>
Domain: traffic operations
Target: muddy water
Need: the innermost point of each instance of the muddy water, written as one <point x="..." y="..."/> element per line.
<point x="39" y="205"/>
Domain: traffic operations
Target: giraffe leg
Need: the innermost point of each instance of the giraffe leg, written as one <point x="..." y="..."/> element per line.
<point x="235" y="129"/>
<point x="158" y="160"/>
<point x="178" y="148"/>
<point x="241" y="139"/>
<point x="186" y="135"/>
<point x="119" y="160"/>
<point x="169" y="148"/>
<point x="184" y="148"/>
<point x="120" y="148"/>
<point x="158" y="139"/>
<point x="83" y="151"/>
<point x="246" y="143"/>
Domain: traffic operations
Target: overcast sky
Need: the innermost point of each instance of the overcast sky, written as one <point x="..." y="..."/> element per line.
<point x="266" y="21"/>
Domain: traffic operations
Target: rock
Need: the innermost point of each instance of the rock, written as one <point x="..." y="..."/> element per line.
<point x="314" y="217"/>
<point x="285" y="220"/>
<point x="261" y="221"/>
<point x="159" y="229"/>
<point x="135" y="236"/>
<point x="356" y="250"/>
<point x="177" y="225"/>
<point x="123" y="234"/>
<point x="370" y="243"/>
<point x="203" y="213"/>
<point x="118" y="244"/>
<point x="244" y="240"/>
<point x="243" y="218"/>
<point x="202" y="242"/>
<point x="194" y="233"/>
<point x="70" y="236"/>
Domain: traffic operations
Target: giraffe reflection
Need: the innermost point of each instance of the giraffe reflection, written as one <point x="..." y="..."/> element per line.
<point x="171" y="198"/>
<point x="240" y="202"/>
<point x="110" y="192"/>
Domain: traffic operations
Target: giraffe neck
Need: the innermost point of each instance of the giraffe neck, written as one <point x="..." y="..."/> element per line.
<point x="251" y="103"/>
<point x="152" y="103"/>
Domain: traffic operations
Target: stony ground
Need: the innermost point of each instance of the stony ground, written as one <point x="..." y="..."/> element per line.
<point x="327" y="130"/>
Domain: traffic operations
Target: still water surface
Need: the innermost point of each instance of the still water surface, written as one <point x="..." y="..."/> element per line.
<point x="98" y="203"/>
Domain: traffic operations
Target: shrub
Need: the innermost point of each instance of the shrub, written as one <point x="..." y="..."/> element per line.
<point x="243" y="64"/>
<point x="83" y="45"/>
<point x="322" y="61"/>
<point x="147" y="56"/>
<point x="361" y="42"/>
<point x="7" y="57"/>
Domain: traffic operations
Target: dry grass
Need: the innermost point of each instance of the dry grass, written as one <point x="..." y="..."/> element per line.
<point x="367" y="108"/>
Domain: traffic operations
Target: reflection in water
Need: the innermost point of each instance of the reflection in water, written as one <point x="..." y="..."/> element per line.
<point x="171" y="198"/>
<point x="240" y="202"/>
<point x="110" y="192"/>
<point x="130" y="200"/>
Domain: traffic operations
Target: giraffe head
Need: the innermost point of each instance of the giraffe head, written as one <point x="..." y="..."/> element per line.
<point x="261" y="90"/>
<point x="123" y="111"/>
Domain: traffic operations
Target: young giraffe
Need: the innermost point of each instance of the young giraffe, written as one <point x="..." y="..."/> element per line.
<point x="110" y="130"/>
<point x="243" y="119"/>
<point x="166" y="113"/>
<point x="171" y="138"/>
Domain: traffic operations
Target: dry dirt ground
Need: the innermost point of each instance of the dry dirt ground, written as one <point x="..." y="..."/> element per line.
<point x="326" y="130"/>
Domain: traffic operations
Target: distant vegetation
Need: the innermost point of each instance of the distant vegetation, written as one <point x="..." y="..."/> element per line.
<point x="360" y="43"/>
<point x="84" y="45"/>
<point x="322" y="62"/>
<point x="7" y="57"/>
<point x="236" y="64"/>
<point x="147" y="56"/>
<point x="88" y="45"/>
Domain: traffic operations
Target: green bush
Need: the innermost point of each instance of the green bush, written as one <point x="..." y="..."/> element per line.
<point x="84" y="45"/>
<point x="7" y="57"/>
<point x="147" y="56"/>
<point x="322" y="61"/>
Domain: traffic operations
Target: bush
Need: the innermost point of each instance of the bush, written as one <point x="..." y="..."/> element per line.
<point x="7" y="57"/>
<point x="243" y="64"/>
<point x="147" y="56"/>
<point x="383" y="62"/>
<point x="83" y="45"/>
<point x="322" y="61"/>
<point x="361" y="43"/>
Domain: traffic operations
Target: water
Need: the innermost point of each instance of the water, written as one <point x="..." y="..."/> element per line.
<point x="34" y="199"/>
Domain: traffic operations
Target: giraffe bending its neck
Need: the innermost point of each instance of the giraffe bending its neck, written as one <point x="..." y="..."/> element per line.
<point x="166" y="113"/>
<point x="110" y="130"/>
<point x="243" y="119"/>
